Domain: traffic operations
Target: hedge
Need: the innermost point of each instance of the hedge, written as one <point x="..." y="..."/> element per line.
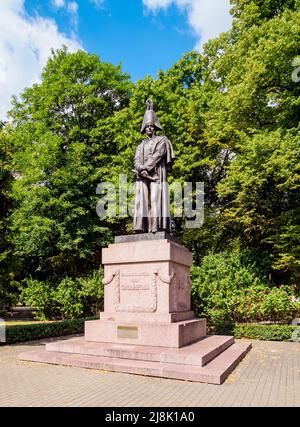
<point x="21" y="333"/>
<point x="263" y="332"/>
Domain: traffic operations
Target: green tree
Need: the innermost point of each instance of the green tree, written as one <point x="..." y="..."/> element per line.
<point x="232" y="114"/>
<point x="8" y="265"/>
<point x="262" y="196"/>
<point x="254" y="117"/>
<point x="62" y="154"/>
<point x="253" y="64"/>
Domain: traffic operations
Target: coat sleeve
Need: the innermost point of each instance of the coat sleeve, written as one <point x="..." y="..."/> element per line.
<point x="138" y="159"/>
<point x="155" y="158"/>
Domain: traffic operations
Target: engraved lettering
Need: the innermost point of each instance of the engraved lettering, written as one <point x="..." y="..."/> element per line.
<point x="135" y="287"/>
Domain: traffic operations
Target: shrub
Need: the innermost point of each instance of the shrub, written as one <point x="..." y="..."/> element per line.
<point x="71" y="298"/>
<point x="245" y="304"/>
<point x="261" y="303"/>
<point x="217" y="279"/>
<point x="261" y="332"/>
<point x="278" y="306"/>
<point x="81" y="296"/>
<point x="41" y="296"/>
<point x="227" y="287"/>
<point x="22" y="333"/>
<point x="297" y="308"/>
<point x="92" y="292"/>
<point x="67" y="296"/>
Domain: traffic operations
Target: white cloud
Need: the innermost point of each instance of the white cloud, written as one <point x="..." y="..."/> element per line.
<point x="25" y="46"/>
<point x="58" y="3"/>
<point x="208" y="18"/>
<point x="71" y="7"/>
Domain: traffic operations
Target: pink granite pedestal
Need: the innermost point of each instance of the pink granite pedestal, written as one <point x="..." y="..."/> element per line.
<point x="146" y="296"/>
<point x="147" y="326"/>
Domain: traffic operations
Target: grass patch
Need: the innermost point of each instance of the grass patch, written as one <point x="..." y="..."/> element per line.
<point x="26" y="322"/>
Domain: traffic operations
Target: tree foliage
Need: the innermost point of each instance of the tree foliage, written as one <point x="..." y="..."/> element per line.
<point x="61" y="155"/>
<point x="232" y="114"/>
<point x="8" y="266"/>
<point x="259" y="124"/>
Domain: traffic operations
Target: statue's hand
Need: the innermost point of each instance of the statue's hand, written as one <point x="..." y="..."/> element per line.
<point x="144" y="174"/>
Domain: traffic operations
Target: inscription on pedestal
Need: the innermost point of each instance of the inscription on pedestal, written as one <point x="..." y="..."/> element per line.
<point x="135" y="286"/>
<point x="143" y="292"/>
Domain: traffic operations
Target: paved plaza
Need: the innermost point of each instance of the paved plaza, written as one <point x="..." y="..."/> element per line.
<point x="269" y="375"/>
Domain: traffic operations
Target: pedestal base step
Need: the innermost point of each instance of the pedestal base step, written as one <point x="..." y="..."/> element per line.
<point x="158" y="334"/>
<point x="199" y="353"/>
<point x="182" y="364"/>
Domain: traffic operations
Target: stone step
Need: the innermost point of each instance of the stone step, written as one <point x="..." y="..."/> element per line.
<point x="215" y="372"/>
<point x="199" y="353"/>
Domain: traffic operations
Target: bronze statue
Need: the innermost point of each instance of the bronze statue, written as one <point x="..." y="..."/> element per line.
<point x="153" y="158"/>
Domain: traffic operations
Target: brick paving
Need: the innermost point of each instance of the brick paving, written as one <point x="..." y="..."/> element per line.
<point x="268" y="376"/>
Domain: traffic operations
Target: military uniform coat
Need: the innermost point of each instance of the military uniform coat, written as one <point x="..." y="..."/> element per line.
<point x="152" y="202"/>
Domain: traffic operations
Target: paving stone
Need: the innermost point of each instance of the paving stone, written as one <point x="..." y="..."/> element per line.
<point x="269" y="375"/>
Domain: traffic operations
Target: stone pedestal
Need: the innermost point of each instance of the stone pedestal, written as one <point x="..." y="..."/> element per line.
<point x="147" y="326"/>
<point x="146" y="296"/>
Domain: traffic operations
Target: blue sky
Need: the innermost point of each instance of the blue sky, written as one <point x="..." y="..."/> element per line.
<point x="124" y="31"/>
<point x="144" y="35"/>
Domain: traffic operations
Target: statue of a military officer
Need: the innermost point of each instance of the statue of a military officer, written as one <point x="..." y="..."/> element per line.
<point x="153" y="159"/>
